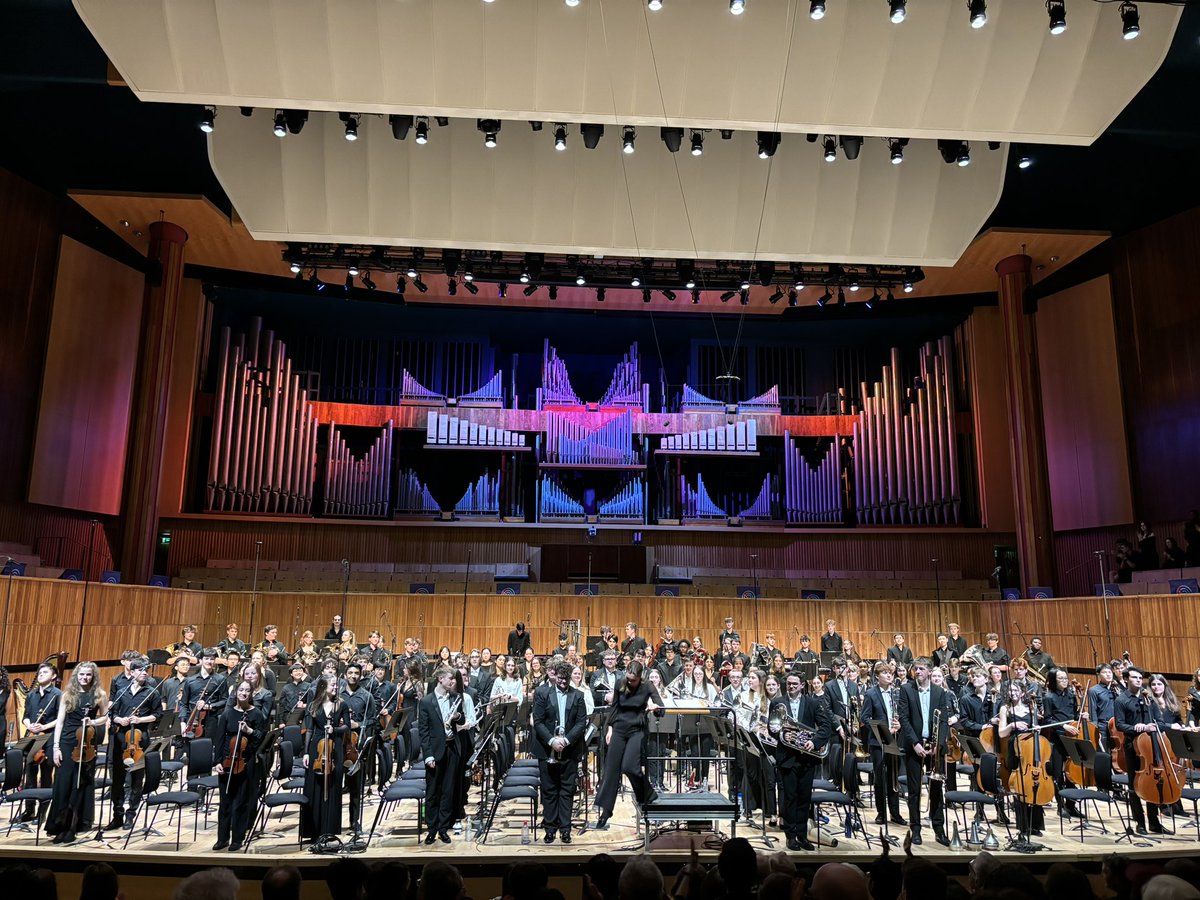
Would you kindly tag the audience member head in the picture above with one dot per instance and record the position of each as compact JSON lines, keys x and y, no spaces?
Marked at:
{"x":440,"y":881}
{"x":1187,"y":869}
{"x":387,"y":880}
{"x":841,"y":881}
{"x":281,"y":883}
{"x":979,"y":868}
{"x":523,"y":880}
{"x":1067,"y":882}
{"x":885,"y":878}
{"x":208,"y":884}
{"x":1010,"y":876}
{"x":45,"y":885}
{"x":19,"y":881}
{"x":923,"y":881}
{"x":1115,"y":876}
{"x":602,"y":872}
{"x":99,"y":883}
{"x":641,"y":879}
{"x":738,"y":866}
{"x":1169,"y":887}
{"x":345,"y":878}
{"x":776,"y":886}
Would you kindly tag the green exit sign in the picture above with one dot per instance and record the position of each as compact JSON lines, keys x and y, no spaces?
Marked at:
{"x":164,"y":539}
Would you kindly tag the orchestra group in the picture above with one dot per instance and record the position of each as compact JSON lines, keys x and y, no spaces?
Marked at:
{"x":356,"y":715}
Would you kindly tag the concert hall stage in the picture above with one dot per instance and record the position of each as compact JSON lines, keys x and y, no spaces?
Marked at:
{"x":148,"y":867}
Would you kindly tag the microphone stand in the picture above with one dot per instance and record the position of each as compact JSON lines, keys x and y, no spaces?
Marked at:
{"x":87,"y":570}
{"x":754,"y":581}
{"x":466,"y":578}
{"x":1099,"y":554}
{"x":345,"y":587}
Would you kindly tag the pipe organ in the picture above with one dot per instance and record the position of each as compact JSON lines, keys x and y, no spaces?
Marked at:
{"x":906,"y":461}
{"x":765,"y":404}
{"x":358,"y":487}
{"x":626,"y":388}
{"x":697,"y":504}
{"x":446,"y":430}
{"x":554,"y":503}
{"x":481,"y":498}
{"x":569,"y":440}
{"x":556,"y":387}
{"x":731,"y":437}
{"x":628,"y":503}
{"x":413,"y":393}
{"x":813,"y":493}
{"x":413,"y":497}
{"x":264,"y":445}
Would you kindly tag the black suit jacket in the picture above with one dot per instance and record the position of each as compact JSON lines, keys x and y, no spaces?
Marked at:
{"x":814,"y":713}
{"x":839,"y":700}
{"x":431,"y":728}
{"x":911,"y":721}
{"x":545,"y":721}
{"x":874,"y":709}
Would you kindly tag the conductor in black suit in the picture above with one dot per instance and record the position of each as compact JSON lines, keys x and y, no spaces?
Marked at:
{"x":439,"y":719}
{"x":559,"y":721}
{"x":923,"y":738}
{"x":795,"y":767}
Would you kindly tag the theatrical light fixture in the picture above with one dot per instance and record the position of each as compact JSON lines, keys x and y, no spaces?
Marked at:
{"x":420,"y":285}
{"x":571,"y":2}
{"x":442,"y":121}
{"x":873,"y":299}
{"x":452,"y":287}
{"x":468,"y":275}
{"x":908,"y":287}
{"x":897,"y":10}
{"x":654,"y":5}
{"x":422,"y":131}
{"x":668,"y":293}
{"x":524,"y":279}
{"x":672,"y":137}
{"x":553,"y":292}
{"x":768,"y":143}
{"x":490,"y":129}
{"x":1024,"y":159}
{"x":825,"y":297}
{"x":295,"y":267}
{"x":1057,"y":11}
{"x":737,"y":7}
{"x":728,"y":295}
{"x":776,"y":297}
{"x":400,"y":285}
{"x":695,"y":297}
{"x":978,"y":11}
{"x":851,"y":146}
{"x":353,"y":270}
{"x":816,"y":9}
{"x":628,"y":136}
{"x":635,"y":281}
{"x":890,"y":295}
{"x":349,"y":282}
{"x":697,"y":143}
{"x":530,"y":290}
{"x":591,"y":135}
{"x":208,"y":118}
{"x":854,"y":285}
{"x":896,"y":149}
{"x":351,"y":127}
{"x":280,"y":129}
{"x":502,"y":290}
{"x":744,"y":297}
{"x":1130,"y":24}
{"x":560,"y":137}
{"x":580,"y":278}
{"x":400,"y":126}
{"x":964,"y":155}
{"x":472,"y":287}
{"x":830,"y":144}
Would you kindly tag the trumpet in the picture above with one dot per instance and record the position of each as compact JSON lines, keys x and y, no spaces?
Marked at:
{"x":793,"y":734}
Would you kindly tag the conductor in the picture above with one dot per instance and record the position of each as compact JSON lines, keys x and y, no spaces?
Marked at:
{"x":559,"y":721}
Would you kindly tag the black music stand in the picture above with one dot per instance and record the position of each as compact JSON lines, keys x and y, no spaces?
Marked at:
{"x":1186,"y":745}
{"x":806,"y":669}
{"x":887,"y":742}
{"x":1083,"y":754}
{"x":756,"y":754}
{"x":661,"y":728}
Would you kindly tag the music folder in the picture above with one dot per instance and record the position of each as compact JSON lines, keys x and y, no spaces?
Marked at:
{"x":883,"y":733}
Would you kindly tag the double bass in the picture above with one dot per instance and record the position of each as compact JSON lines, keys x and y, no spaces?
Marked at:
{"x":1078,"y":775}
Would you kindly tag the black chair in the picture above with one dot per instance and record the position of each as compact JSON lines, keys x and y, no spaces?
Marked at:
{"x":177,"y":801}
{"x":280,"y":799}
{"x":989,"y":774}
{"x":1101,"y":793}
{"x":845,"y":804}
{"x":11,"y":792}
{"x":410,"y":786}
{"x":200,"y":762}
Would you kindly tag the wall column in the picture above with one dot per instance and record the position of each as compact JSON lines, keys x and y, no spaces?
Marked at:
{"x":143,"y":469}
{"x":1031,"y":485}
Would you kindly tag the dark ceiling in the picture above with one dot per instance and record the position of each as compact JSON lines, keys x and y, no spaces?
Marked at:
{"x":63,"y":127}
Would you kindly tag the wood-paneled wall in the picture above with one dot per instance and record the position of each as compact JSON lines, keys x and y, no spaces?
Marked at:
{"x":46,"y":616}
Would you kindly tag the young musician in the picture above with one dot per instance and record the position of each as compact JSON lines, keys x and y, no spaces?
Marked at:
{"x":633,"y":641}
{"x":993,"y":654}
{"x":899,"y":652}
{"x":363,"y":721}
{"x":668,"y":642}
{"x":138,"y":706}
{"x":942,"y":654}
{"x":518,"y":641}
{"x":1040,"y":662}
{"x":727,"y":633}
{"x":231,"y":642}
{"x":698,"y":687}
{"x":272,"y":647}
{"x":242,"y":729}
{"x":879,"y":704}
{"x":625,"y":734}
{"x":1101,"y":700}
{"x":73,"y":805}
{"x":327,"y":721}
{"x":378,"y":654}
{"x":440,"y":720}
{"x":920,"y":699}
{"x":606,"y":679}
{"x":296,"y":693}
{"x":795,"y":767}
{"x":831,"y":641}
{"x":205,"y":693}
{"x":336,"y":628}
{"x":261,"y":696}
{"x":955,"y":642}
{"x":1060,"y":705}
{"x":306,"y":651}
{"x":39,"y":717}
{"x":187,"y":647}
{"x":559,"y":721}
{"x":669,"y":665}
{"x":1016,"y":716}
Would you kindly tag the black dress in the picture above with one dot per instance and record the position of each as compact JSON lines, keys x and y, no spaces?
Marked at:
{"x":324,"y":789}
{"x":74,"y":801}
{"x":1029,"y":818}
{"x":238,"y":791}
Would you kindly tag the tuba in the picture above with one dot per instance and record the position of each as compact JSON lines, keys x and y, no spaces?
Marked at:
{"x":973,"y":657}
{"x":793,"y":734}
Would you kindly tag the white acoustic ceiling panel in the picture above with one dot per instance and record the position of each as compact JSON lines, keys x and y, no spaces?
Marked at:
{"x":614,"y":61}
{"x":525,"y":195}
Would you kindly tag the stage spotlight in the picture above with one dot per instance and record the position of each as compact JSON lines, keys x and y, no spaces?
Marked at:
{"x":890,"y":296}
{"x":468,"y":275}
{"x":816,"y":9}
{"x":908,"y":287}
{"x":744,"y":283}
{"x":353,"y":270}
{"x":295,"y":119}
{"x":351,"y":127}
{"x":978,"y":12}
{"x":490,"y":129}
{"x":697,"y":143}
{"x":873,"y":299}
{"x":420,"y":285}
{"x":830,"y":148}
{"x":400,"y":126}
{"x":571,"y":2}
{"x":654,"y":5}
{"x":1057,"y":11}
{"x":635,"y":281}
{"x":535,"y":125}
{"x":824,"y":298}
{"x":695,"y":297}
{"x":591,"y":135}
{"x":1130,"y":24}
{"x":1024,"y":159}
{"x":422,"y":131}
{"x":295,"y":267}
{"x":672,"y":137}
{"x":897,"y":10}
{"x":580,"y":278}
{"x":854,"y":285}
{"x":442,"y":121}
{"x":896,"y":149}
{"x":851,"y":146}
{"x":560,"y":137}
{"x":628,"y":137}
{"x":728,"y":295}
{"x":349,"y":281}
{"x":764,"y":272}
{"x":530,"y":290}
{"x":737,"y":7}
{"x":472,"y":287}
{"x":841,"y":298}
{"x":452,"y":287}
{"x":964,"y":155}
{"x":280,"y":129}
{"x":768,"y":143}
{"x":400,"y":282}
{"x":502,"y":290}
{"x":668,"y":293}
{"x":776,"y":297}
{"x":208,"y":118}
{"x":745,"y":297}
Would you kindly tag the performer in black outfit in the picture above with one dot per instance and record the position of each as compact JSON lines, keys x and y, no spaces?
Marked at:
{"x":633,"y":641}
{"x":956,"y":643}
{"x":325,"y":719}
{"x":363,"y":721}
{"x":1059,"y":705}
{"x":881,"y":704}
{"x":518,"y":641}
{"x":138,"y":706}
{"x":296,"y":694}
{"x":919,"y":700}
{"x":231,"y":643}
{"x":625,"y":735}
{"x":335,"y":630}
{"x":1134,"y":716}
{"x":900,"y":653}
{"x":795,"y":768}
{"x":831,"y":641}
{"x":206,"y":691}
{"x":1101,"y":700}
{"x":40,"y":716}
{"x":440,"y":718}
{"x":237,"y":766}
{"x":74,"y":803}
{"x":559,"y":720}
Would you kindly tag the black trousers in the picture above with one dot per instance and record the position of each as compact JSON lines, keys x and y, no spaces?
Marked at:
{"x":883,"y":767}
{"x":124,"y":782}
{"x":796,"y":781}
{"x":625,"y":756}
{"x":558,"y":793}
{"x":239,"y":794}
{"x":914,"y":769}
{"x":441,"y":790}
{"x":39,"y":775}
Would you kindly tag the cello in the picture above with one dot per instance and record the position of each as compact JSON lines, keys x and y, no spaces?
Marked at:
{"x":1157,"y":777}
{"x":1031,"y":779}
{"x":990,"y":738}
{"x":1080,"y":775}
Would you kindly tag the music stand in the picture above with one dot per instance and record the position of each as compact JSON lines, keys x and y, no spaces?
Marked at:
{"x":806,"y":669}
{"x":1186,"y":745}
{"x":662,"y":727}
{"x":1083,"y":754}
{"x":887,"y":742}
{"x":827,"y":658}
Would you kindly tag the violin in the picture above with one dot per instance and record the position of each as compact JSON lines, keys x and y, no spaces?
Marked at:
{"x":324,"y":760}
{"x":350,"y":753}
{"x":1031,"y":779}
{"x":85,"y":743}
{"x":1080,"y":775}
{"x":234,"y":762}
